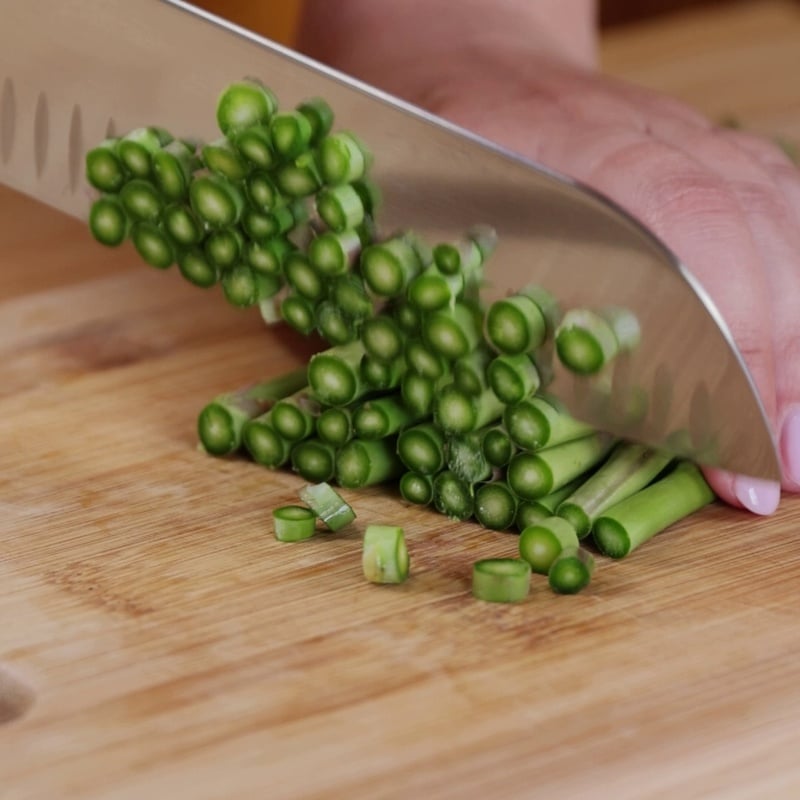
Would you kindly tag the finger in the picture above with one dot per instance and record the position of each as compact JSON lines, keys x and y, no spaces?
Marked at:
{"x":695,"y":212}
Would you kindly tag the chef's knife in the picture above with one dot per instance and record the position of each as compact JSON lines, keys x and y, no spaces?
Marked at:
{"x":75,"y":70}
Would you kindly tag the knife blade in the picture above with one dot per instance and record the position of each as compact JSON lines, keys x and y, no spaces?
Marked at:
{"x":75,"y":71}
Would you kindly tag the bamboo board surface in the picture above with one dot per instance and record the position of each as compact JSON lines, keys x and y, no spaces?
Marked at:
{"x":157,"y":642}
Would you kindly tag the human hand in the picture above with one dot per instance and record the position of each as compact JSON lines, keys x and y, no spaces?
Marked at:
{"x":727,"y":203}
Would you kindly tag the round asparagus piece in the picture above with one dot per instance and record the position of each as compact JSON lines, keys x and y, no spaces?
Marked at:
{"x":452,"y":496}
{"x":416,"y":488}
{"x":421,"y":448}
{"x":543,"y":541}
{"x":515,"y":325}
{"x":456,"y":412}
{"x":384,"y":556}
{"x":104,"y":169}
{"x":328,"y":505}
{"x":197,"y":269}
{"x":495,"y":505}
{"x":571,"y":570}
{"x":335,"y":426}
{"x":313,"y":460}
{"x":244,"y":104}
{"x":388,"y":267}
{"x":108,"y":222}
{"x":293,"y":523}
{"x":513,"y":378}
{"x":153,"y":245}
{"x":501,"y":580}
{"x":536,"y":423}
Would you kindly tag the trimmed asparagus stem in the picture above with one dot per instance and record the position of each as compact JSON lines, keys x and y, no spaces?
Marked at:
{"x":319,"y":115}
{"x":182,"y":224}
{"x":465,"y":457}
{"x":535,"y":423}
{"x":534,"y":475}
{"x":515,"y":325}
{"x":299,"y":178}
{"x":501,"y":580}
{"x":108,"y":222}
{"x":302,"y":277}
{"x":255,"y":144}
{"x":221,"y":422}
{"x":298,"y":313}
{"x":335,"y":426}
{"x":197,"y":269}
{"x":587,"y":340}
{"x":244,"y":287}
{"x":513,"y":378}
{"x":419,"y":393}
{"x":384,"y":416}
{"x":340,"y":207}
{"x":334,"y":253}
{"x":384,"y":556}
{"x":153,"y":245}
{"x":629,"y":468}
{"x":422,"y":448}
{"x":571,"y":571}
{"x":452,"y":496}
{"x":328,"y":505}
{"x":217,"y":201}
{"x":456,"y":412}
{"x":497,"y":446}
{"x":313,"y":460}
{"x":469,"y":372}
{"x":173,"y":166}
{"x":408,"y":318}
{"x":366,"y":463}
{"x":290,"y":132}
{"x":423,"y":360}
{"x":261,"y":192}
{"x":343,"y":158}
{"x":141,"y":200}
{"x":268,"y":257}
{"x":334,"y":374}
{"x":223,"y":247}
{"x":495,"y":505}
{"x":293,"y":523}
{"x":370,"y":195}
{"x":388,"y":267}
{"x":382,"y":338}
{"x":244,"y":104}
{"x":349,"y":294}
{"x":222,"y":158}
{"x":631,"y":522}
{"x":433,"y":289}
{"x":294,"y":416}
{"x":463,"y":256}
{"x":452,"y":333}
{"x":264,"y":444}
{"x":382,"y":374}
{"x":531,"y":512}
{"x":104,"y":169}
{"x":135,"y":151}
{"x":333,"y":324}
{"x":416,"y":488}
{"x":543,"y":541}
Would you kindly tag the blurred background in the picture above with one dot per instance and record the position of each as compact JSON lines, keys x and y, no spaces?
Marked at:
{"x":277,"y":18}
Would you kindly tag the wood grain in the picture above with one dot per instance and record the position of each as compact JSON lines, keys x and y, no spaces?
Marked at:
{"x":172,"y":648}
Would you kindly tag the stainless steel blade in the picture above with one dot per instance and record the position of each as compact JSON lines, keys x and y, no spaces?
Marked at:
{"x":70,"y":71}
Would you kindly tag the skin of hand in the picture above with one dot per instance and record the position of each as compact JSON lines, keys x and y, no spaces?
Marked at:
{"x":523,"y":75}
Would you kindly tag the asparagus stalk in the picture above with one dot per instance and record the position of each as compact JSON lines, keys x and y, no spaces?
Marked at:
{"x":495,"y":505}
{"x":536,"y":423}
{"x":221,"y":422}
{"x":631,"y":522}
{"x":629,"y":468}
{"x":542,"y":542}
{"x":366,"y":463}
{"x":534,"y":475}
{"x":313,"y":459}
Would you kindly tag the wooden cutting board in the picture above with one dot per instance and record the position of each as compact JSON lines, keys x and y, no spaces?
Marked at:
{"x":158,"y":642}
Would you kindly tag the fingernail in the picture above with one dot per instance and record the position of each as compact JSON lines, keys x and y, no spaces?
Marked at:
{"x":760,"y":497}
{"x":790,"y":444}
